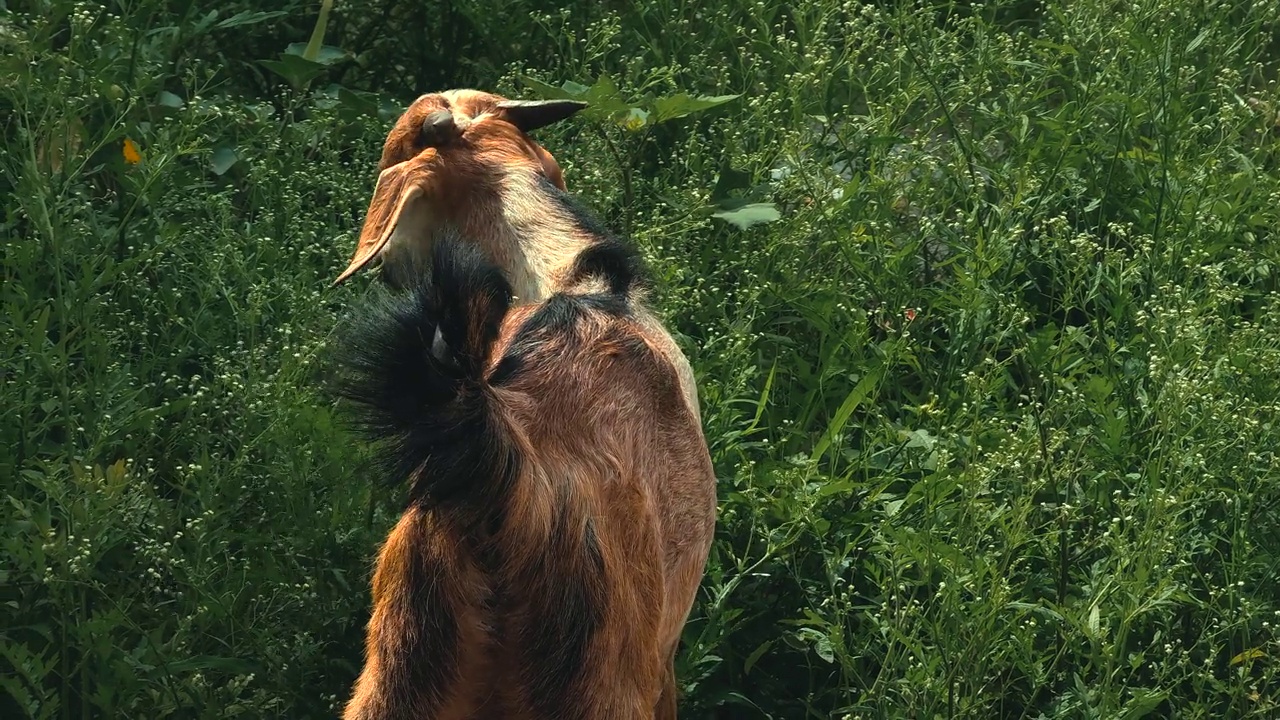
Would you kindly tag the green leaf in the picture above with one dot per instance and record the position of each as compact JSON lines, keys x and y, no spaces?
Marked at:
{"x":168,"y":99}
{"x":604,"y":89}
{"x":730,"y":179}
{"x":763,"y":402}
{"x":359,"y":102}
{"x":1036,"y":609}
{"x":40,"y":327}
{"x":824,"y":649}
{"x":1250,"y":654}
{"x":1142,"y":703}
{"x":222,"y":160}
{"x":323,"y":55}
{"x":755,"y":656}
{"x":294,"y":68}
{"x":248,"y":17}
{"x":605,"y":102}
{"x":832,"y":488}
{"x":235,"y":666}
{"x":920,"y":439}
{"x":680,"y":105}
{"x":851,"y":403}
{"x":205,"y":22}
{"x":568,"y":91}
{"x":1198,"y":40}
{"x":749,"y":215}
{"x":546,"y":91}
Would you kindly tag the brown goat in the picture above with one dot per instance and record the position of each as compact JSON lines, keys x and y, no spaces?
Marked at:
{"x":463,"y":161}
{"x":562,"y":500}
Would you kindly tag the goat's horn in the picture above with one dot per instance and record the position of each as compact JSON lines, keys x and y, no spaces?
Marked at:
{"x":533,"y":114}
{"x":438,"y":127}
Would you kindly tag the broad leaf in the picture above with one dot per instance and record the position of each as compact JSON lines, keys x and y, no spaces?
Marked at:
{"x":359,"y":102}
{"x":730,"y":179}
{"x":1143,"y":703}
{"x":222,"y":160}
{"x":324,"y":54}
{"x":749,"y":215}
{"x":294,"y":68}
{"x":569,"y":91}
{"x":605,"y":101}
{"x":680,"y":105}
{"x":169,"y":100}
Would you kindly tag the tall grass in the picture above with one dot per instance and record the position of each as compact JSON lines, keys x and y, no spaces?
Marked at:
{"x":994,"y":400}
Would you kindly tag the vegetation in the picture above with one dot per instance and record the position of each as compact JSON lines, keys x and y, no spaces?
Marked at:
{"x":982,"y":298}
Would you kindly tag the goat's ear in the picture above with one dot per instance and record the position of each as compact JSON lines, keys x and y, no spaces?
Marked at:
{"x":550,"y":168}
{"x":533,"y":114}
{"x":397,"y":201}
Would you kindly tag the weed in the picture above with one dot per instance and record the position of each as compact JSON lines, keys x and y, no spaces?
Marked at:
{"x":979,"y":296}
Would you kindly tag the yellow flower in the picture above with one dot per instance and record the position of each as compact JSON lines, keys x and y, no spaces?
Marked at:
{"x":131,"y":152}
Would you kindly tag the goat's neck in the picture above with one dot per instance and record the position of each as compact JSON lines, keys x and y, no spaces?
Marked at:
{"x":542,"y":241}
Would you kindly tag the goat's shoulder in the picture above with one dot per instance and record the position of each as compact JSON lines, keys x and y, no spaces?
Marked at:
{"x":571,"y":333}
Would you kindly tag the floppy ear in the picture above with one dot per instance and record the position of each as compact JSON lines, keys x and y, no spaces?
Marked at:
{"x":397,"y":210}
{"x":533,"y":114}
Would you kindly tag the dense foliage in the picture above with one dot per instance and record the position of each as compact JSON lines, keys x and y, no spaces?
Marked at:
{"x":979,"y":296}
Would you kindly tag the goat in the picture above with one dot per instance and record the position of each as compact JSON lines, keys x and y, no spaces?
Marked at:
{"x":463,"y":160}
{"x":561,"y":496}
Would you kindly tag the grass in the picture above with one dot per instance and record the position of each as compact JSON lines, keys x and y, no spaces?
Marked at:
{"x":994,"y":400}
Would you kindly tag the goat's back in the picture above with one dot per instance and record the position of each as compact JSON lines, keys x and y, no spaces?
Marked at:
{"x":598,"y":414}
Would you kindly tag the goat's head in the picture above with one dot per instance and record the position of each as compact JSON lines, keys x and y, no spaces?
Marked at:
{"x":442,"y":148}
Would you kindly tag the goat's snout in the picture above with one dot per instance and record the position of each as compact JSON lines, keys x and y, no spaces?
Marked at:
{"x":439,"y":128}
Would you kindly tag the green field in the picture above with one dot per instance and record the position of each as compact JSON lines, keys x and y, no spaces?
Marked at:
{"x":979,"y":295}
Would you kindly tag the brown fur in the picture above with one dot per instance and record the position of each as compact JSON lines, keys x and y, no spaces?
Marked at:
{"x":484,"y":183}
{"x":558,"y":592}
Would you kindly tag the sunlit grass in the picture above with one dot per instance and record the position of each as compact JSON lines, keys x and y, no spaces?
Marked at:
{"x":993,"y":401}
